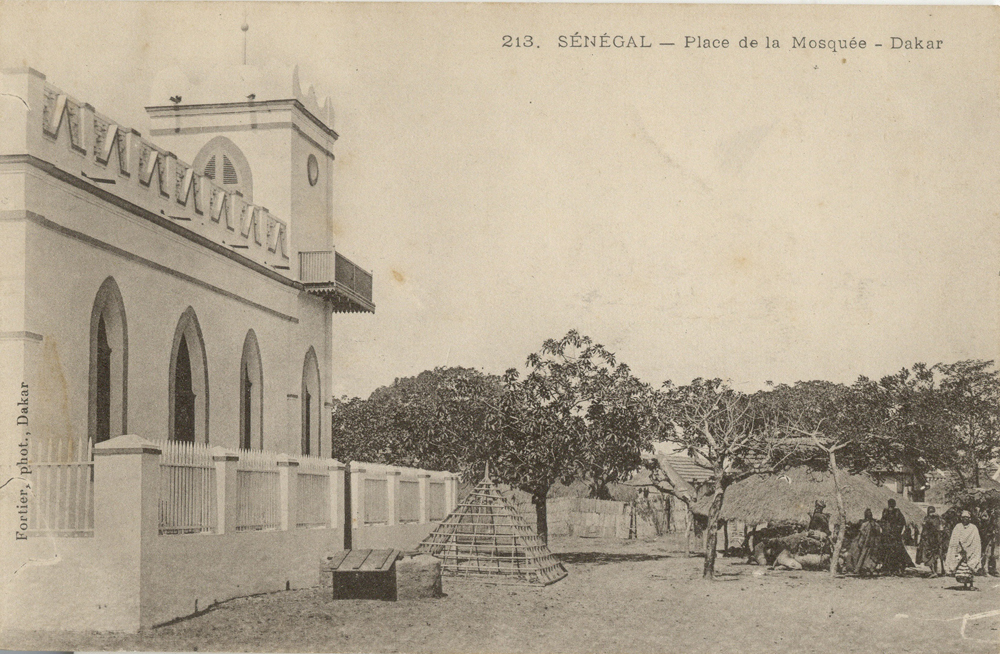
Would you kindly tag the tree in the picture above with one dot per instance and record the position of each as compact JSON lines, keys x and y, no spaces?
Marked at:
{"x":618,"y":423}
{"x":732,"y":433}
{"x":441,"y":419}
{"x":577,"y":413}
{"x":908,"y":409}
{"x":970,"y":399}
{"x":831,"y":419}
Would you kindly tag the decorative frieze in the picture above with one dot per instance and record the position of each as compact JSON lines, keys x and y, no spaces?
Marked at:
{"x":57,"y":106}
{"x":100,"y":139}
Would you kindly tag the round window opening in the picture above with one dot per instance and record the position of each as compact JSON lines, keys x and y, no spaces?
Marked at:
{"x":313,"y":170}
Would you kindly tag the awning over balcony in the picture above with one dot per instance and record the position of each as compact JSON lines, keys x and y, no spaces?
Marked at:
{"x":337,"y":279}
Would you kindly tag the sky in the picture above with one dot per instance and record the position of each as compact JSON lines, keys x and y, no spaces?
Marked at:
{"x":756,"y":214}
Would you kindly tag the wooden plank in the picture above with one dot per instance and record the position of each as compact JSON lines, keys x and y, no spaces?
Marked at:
{"x":354,"y":559}
{"x":380,"y":560}
{"x":334,"y":561}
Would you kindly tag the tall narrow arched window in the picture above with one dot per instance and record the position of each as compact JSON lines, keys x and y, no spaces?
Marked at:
{"x":311,"y":423}
{"x":107,"y":414}
{"x":251,"y":395}
{"x":188,"y":383}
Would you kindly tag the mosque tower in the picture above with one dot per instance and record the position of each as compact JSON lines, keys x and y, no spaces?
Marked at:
{"x":254,"y":130}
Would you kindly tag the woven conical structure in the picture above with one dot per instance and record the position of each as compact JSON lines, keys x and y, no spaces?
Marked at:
{"x":486,"y":538}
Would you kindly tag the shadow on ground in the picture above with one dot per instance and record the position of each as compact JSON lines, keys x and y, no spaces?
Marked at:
{"x":602,"y":558}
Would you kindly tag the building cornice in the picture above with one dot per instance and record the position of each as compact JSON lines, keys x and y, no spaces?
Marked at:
{"x":221,"y":108}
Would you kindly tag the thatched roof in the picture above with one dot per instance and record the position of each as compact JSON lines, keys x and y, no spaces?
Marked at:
{"x":790,"y":497}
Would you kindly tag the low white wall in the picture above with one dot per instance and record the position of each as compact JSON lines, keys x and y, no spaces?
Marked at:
{"x":128,"y":576}
{"x":190,"y":572}
{"x":404,"y":537}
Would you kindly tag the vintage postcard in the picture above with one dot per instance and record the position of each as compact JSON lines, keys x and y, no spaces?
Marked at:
{"x":499,"y":327}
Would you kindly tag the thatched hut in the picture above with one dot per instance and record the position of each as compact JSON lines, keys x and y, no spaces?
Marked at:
{"x":791,"y":495}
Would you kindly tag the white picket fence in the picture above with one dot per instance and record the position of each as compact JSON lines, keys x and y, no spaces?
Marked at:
{"x":313,"y":492}
{"x":267,"y":496}
{"x":187,"y":488}
{"x":259,"y":491}
{"x":62,"y":488}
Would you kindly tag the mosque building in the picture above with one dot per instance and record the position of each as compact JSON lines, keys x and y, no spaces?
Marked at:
{"x":169,"y":310}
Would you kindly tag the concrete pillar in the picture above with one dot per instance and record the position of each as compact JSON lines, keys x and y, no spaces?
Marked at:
{"x":357,"y":496}
{"x":126,"y":524}
{"x":288,"y":482}
{"x":293,"y":424}
{"x":336,"y":472}
{"x":450,"y":493}
{"x":392,"y":485}
{"x":424,"y":480}
{"x":226,"y":489}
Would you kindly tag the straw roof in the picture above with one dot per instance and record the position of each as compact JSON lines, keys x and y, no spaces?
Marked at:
{"x":790,"y":497}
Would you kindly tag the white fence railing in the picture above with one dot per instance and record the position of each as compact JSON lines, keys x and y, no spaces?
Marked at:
{"x":313,"y":492}
{"x":187,"y":488}
{"x":205,"y":490}
{"x":62,"y":487}
{"x":259,"y":491}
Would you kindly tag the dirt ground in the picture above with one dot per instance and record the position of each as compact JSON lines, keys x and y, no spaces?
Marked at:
{"x":620,"y":596}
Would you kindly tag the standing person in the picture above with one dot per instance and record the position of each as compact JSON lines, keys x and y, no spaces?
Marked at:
{"x":895,"y":558}
{"x":949,"y":519}
{"x":989,"y":534}
{"x":964,"y":553}
{"x":864,"y":548}
{"x":929,"y":547}
{"x":820,"y":520}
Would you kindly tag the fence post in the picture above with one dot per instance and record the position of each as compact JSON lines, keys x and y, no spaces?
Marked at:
{"x":357,"y":497}
{"x":424,"y":480}
{"x":451,"y":493}
{"x":288,"y":483}
{"x":392,"y":476}
{"x":226,"y":490}
{"x":335,"y":470}
{"x":126,"y":523}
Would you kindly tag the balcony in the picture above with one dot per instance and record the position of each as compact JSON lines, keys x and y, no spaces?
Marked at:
{"x":337,"y":279}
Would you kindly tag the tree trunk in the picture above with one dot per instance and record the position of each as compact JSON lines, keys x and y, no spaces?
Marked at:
{"x":725,"y":537}
{"x":841,"y":511}
{"x":541,"y":515}
{"x":688,"y":528}
{"x":712,"y":532}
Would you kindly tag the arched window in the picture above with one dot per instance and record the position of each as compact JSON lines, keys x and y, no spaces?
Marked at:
{"x":223,"y":162}
{"x":107,"y":414}
{"x":251,"y":395}
{"x":311,"y":423}
{"x":188,"y":384}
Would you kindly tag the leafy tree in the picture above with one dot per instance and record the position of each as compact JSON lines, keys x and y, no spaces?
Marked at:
{"x":830,"y":420}
{"x":729,"y":432}
{"x":970,"y":401}
{"x":440,"y":419}
{"x":577,"y":413}
{"x":907,"y":408}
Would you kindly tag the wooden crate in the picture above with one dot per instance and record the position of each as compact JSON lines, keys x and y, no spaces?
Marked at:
{"x":361,"y":574}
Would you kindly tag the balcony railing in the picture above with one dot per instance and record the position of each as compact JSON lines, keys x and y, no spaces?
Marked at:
{"x":333,"y":276}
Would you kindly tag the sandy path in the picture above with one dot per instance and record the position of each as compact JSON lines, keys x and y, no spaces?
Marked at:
{"x":619,"y":597}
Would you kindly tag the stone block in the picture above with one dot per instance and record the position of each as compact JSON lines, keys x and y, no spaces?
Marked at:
{"x":418,"y":577}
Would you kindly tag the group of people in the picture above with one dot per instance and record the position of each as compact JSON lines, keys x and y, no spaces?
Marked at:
{"x":878,"y":547}
{"x":972,"y":549}
{"x":949,"y":544}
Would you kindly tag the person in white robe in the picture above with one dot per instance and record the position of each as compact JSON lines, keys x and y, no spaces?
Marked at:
{"x":964,"y":541}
